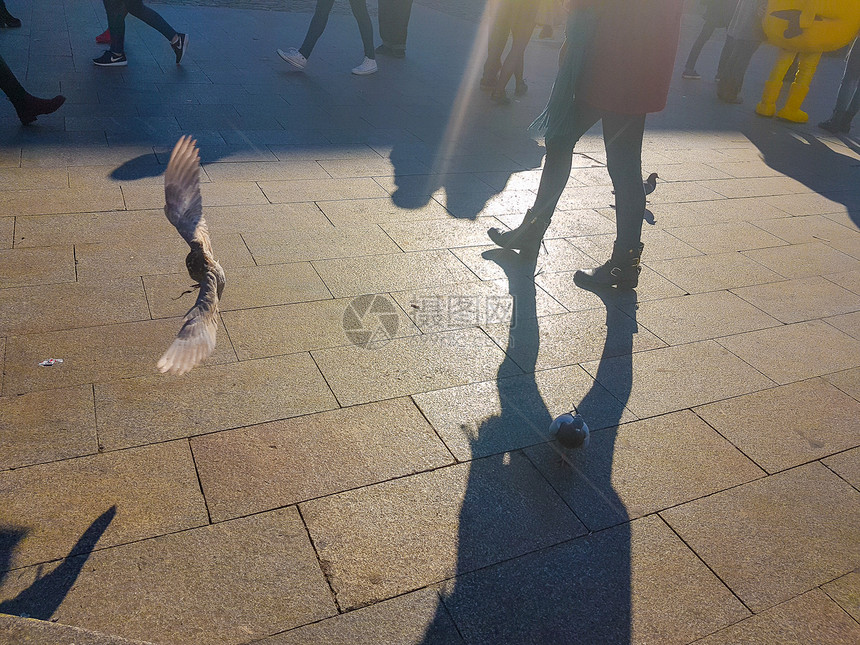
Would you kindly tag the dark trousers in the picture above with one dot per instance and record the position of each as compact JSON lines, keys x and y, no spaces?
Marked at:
{"x":704,"y":36}
{"x":320,"y":20}
{"x":848,"y":99}
{"x":10,"y":85}
{"x":117,"y":10}
{"x":734,"y":60}
{"x":622,"y":137}
{"x":393,"y":22}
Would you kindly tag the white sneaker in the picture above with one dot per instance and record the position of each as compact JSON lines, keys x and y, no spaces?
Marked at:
{"x":368,"y":66}
{"x":293,"y":57}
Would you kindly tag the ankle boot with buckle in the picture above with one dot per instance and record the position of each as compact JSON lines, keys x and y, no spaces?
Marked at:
{"x":621,"y":270}
{"x":527,"y":235}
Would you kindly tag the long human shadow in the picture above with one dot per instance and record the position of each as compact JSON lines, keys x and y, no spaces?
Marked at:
{"x":42,"y":598}
{"x":578,"y":591}
{"x":802,"y":155}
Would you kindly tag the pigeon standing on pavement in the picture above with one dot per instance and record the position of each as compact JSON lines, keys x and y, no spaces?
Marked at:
{"x":184,"y":209}
{"x":651,"y":183}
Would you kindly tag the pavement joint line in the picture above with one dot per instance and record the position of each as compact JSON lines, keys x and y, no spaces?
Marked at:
{"x":199,"y":481}
{"x":323,"y":568}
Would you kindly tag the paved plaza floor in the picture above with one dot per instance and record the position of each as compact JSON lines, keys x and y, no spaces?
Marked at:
{"x":365,"y":458}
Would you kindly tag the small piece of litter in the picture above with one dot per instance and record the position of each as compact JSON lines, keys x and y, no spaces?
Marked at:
{"x":51,"y":361}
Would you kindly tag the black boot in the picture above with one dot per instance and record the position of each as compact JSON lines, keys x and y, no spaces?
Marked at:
{"x":622,"y":270}
{"x":31,"y":106}
{"x":836,"y":123}
{"x":527,"y":235}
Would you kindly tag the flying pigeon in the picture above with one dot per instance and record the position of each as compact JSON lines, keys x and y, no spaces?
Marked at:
{"x":184,"y":209}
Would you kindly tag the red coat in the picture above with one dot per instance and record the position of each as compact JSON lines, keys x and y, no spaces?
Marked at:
{"x":632,"y":55}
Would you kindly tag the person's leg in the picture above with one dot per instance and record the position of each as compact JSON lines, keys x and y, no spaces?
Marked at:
{"x":26,"y":105}
{"x":704,"y":36}
{"x":394,"y":23}
{"x":499,"y":33}
{"x":725,"y":53}
{"x":10,"y":85}
{"x":522,"y":28}
{"x":317,"y":26}
{"x":116,"y":11}
{"x":152,"y":18}
{"x":365,"y":27}
{"x":553,"y":179}
{"x":848,"y":97}
{"x":622,"y":136}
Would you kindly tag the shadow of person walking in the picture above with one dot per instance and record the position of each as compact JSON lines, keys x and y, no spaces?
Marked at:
{"x":578,"y":588}
{"x":812,"y":161}
{"x":42,"y":598}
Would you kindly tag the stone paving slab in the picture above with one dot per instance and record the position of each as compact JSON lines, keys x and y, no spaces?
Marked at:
{"x":674,"y":378}
{"x":777,"y":537}
{"x":133,"y":412}
{"x":802,"y":299}
{"x":764,"y":208}
{"x":397,"y":272}
{"x":27,"y":310}
{"x":411,"y":365}
{"x":249,"y":470}
{"x":844,"y":591}
{"x":571,"y":338}
{"x":810,"y":618}
{"x":151,"y":490}
{"x":409,"y":619}
{"x":47,"y":426}
{"x":623,"y":573}
{"x":714,"y":272}
{"x":700,"y":316}
{"x":94,"y":354}
{"x":802,"y":260}
{"x":262,"y":567}
{"x":30,"y":267}
{"x":488,"y":418}
{"x":384,"y":540}
{"x":249,"y":287}
{"x":846,"y":465}
{"x":789,"y":425}
{"x":784,"y":355}
{"x":849,"y":323}
{"x":292,"y":246}
{"x":643,"y":467}
{"x":29,"y":631}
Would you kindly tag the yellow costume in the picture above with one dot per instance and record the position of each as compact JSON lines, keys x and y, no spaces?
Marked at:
{"x":803,"y":29}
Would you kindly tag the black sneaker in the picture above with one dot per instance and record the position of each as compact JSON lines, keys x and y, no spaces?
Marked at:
{"x":179,"y":47}
{"x":109,"y":59}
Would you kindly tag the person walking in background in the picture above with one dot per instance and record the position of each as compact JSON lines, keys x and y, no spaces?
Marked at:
{"x":517,"y":19}
{"x":116,"y":11}
{"x":848,"y":99}
{"x":298,"y":58}
{"x":546,"y":17}
{"x":6,"y":18}
{"x":393,"y":23}
{"x":743,"y":38}
{"x":718,"y":14}
{"x":615,"y":67}
{"x":26,"y":105}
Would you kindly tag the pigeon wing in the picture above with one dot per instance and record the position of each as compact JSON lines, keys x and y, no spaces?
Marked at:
{"x":196,"y":339}
{"x":182,"y":203}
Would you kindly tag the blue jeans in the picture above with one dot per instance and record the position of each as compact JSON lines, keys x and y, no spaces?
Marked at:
{"x":320,"y":19}
{"x":117,"y":10}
